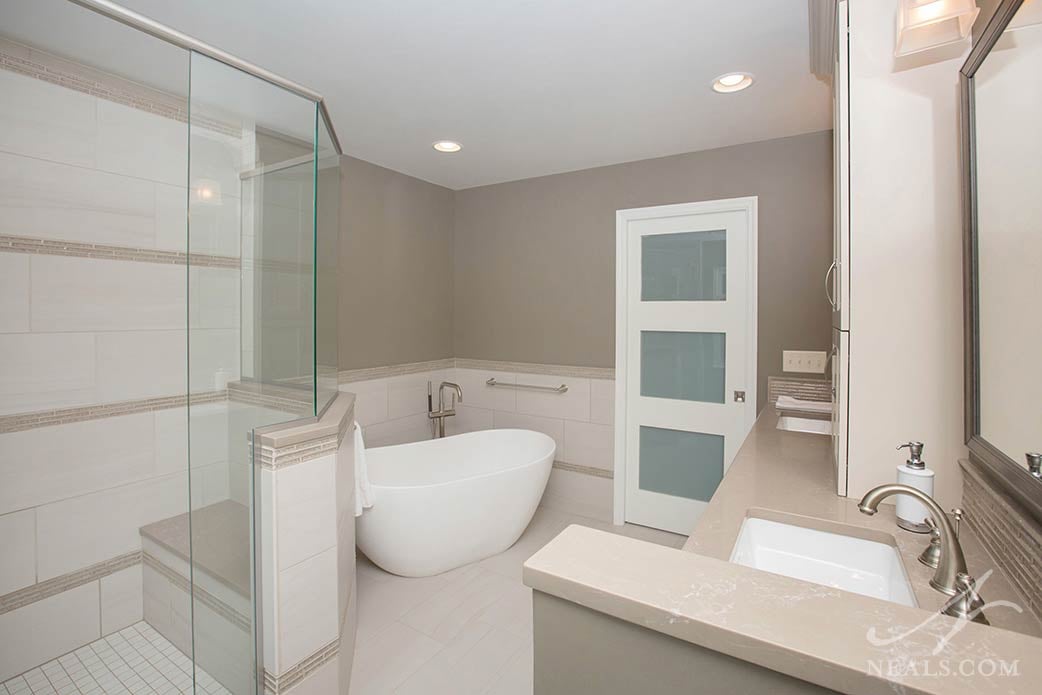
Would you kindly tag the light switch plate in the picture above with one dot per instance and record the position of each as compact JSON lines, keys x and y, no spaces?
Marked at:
{"x":804,"y":361}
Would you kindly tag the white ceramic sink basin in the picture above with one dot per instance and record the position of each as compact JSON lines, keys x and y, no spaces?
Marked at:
{"x":804,"y":424}
{"x":853,"y":564}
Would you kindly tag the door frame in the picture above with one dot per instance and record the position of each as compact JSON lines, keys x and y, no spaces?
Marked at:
{"x":749,"y":205}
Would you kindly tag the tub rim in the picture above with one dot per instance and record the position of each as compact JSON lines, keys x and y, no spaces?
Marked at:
{"x":551,"y":452}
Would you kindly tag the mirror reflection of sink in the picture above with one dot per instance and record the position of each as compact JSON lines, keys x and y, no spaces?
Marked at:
{"x":843,"y":562}
{"x":804,"y":424}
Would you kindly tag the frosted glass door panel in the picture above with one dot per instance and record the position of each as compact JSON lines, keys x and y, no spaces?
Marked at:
{"x":682,"y":464}
{"x":685,"y":266}
{"x":682,"y":365}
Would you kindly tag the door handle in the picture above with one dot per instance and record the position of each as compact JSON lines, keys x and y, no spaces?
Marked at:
{"x":828,"y":288}
{"x":739,"y":396}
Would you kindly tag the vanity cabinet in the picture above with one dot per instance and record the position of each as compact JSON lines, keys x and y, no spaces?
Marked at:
{"x":837,"y":279}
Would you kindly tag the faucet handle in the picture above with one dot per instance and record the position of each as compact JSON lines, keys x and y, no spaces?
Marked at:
{"x":958,"y":514}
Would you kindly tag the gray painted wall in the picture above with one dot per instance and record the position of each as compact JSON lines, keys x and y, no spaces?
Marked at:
{"x":535,"y":259}
{"x":395,"y":267}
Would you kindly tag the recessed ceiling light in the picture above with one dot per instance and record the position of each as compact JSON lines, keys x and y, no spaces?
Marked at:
{"x":732,"y":82}
{"x":447,"y":146}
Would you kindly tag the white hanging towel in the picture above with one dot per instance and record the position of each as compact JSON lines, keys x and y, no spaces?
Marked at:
{"x":363,"y":489}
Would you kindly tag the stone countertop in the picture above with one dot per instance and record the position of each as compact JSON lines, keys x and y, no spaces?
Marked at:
{"x":836,"y":639}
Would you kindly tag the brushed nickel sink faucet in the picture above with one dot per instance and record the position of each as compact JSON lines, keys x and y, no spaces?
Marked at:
{"x":951,"y":576}
{"x":441,"y":413}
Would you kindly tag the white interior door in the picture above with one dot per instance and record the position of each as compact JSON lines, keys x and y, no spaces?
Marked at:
{"x":686,"y":355}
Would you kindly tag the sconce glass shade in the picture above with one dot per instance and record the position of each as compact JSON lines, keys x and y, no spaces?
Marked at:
{"x":926,"y":24}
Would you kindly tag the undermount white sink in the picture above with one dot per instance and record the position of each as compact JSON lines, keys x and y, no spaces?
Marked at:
{"x":843,"y":562}
{"x":804,"y":424}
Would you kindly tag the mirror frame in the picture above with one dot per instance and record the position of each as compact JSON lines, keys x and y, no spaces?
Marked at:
{"x":1007,"y":474}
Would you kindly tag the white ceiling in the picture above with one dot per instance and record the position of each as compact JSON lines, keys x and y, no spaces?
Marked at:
{"x":530,"y":87}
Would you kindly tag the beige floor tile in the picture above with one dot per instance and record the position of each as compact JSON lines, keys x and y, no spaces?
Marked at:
{"x":385,"y":660}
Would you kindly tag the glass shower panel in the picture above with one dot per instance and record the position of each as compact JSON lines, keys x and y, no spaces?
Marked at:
{"x":327,"y":231}
{"x":251,"y":345}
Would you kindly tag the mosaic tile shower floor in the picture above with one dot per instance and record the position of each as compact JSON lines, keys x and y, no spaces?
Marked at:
{"x":136,"y":660}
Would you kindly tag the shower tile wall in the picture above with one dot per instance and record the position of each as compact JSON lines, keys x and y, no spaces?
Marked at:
{"x":78,"y":331}
{"x":393,"y":410}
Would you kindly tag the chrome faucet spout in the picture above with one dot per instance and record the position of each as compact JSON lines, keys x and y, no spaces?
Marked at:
{"x":952,"y":561}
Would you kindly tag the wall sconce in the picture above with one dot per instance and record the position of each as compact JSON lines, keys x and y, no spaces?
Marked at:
{"x":925,"y":24}
{"x":206,"y":192}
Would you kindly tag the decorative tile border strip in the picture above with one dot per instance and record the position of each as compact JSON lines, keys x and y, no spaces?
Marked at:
{"x":808,"y":389}
{"x":32,"y":62}
{"x":244,"y":392}
{"x":584,"y":470}
{"x":198,"y":593}
{"x":532,"y":368}
{"x":276,"y":685}
{"x":351,"y":375}
{"x":58,"y":247}
{"x":275,"y":459}
{"x":52,"y":587}
{"x":64,"y":416}
{"x":1013,"y":540}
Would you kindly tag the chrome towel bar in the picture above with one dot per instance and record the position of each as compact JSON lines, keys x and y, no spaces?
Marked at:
{"x":553,"y":389}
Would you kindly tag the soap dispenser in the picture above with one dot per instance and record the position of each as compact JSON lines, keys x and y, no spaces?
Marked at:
{"x":911,"y":514}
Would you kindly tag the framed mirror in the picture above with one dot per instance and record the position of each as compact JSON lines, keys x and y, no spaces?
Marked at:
{"x":1002,"y":154}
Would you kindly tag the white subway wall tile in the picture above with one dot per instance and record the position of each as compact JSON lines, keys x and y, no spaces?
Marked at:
{"x":308,"y":617}
{"x":124,"y":133}
{"x":121,"y":599}
{"x":17,"y":550}
{"x":371,"y":400}
{"x":90,"y":294}
{"x":589,"y":444}
{"x":14,"y":290}
{"x":167,"y":608}
{"x":47,"y":464}
{"x":573,"y":404}
{"x":140,"y":364}
{"x":552,"y":427}
{"x":216,"y":229}
{"x":414,"y":428}
{"x":209,"y":440}
{"x":478,"y":394}
{"x":214,"y":297}
{"x":306,"y":509}
{"x":602,"y":401}
{"x":81,"y":531}
{"x":48,"y":200}
{"x":46,"y":629}
{"x":407,"y":394}
{"x":39,"y":119}
{"x":40,"y":371}
{"x":469,"y":419}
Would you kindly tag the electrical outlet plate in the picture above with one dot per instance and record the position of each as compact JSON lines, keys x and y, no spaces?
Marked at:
{"x":804,"y":361}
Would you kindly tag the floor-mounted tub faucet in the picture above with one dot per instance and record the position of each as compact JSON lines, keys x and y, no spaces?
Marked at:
{"x":441,"y":413}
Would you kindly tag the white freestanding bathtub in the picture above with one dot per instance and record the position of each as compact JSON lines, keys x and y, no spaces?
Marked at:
{"x":443,"y":503}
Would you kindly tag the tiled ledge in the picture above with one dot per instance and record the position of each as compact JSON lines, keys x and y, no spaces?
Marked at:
{"x":56,"y":585}
{"x":59,"y":247}
{"x":351,"y":375}
{"x":289,"y":444}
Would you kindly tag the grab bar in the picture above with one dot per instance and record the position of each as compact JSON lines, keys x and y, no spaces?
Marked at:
{"x":554,"y":389}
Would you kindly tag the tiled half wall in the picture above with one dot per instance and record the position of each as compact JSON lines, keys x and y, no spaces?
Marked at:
{"x":391,"y":406}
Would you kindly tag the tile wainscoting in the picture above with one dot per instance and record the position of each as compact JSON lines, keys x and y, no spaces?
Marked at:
{"x":391,"y":406}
